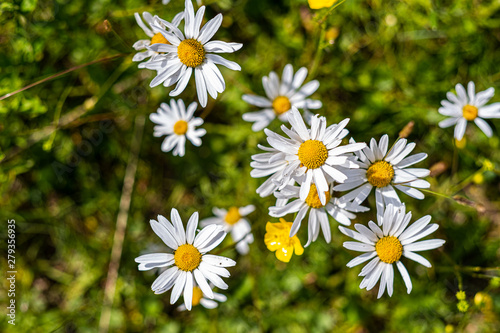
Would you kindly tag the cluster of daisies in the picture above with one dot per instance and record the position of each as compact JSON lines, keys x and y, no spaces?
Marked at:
{"x":312,"y":170}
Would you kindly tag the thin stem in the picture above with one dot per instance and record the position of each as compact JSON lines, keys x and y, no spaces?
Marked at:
{"x":121,"y":224}
{"x":54,"y":76}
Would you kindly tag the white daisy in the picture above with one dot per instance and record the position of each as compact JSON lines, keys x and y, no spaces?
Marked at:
{"x":281,"y":97}
{"x":232,"y":220}
{"x":385,"y":170}
{"x":190,"y":261}
{"x":177,"y":123}
{"x":468,"y":106}
{"x":199,"y":298}
{"x":339,"y":210}
{"x":315,"y":153}
{"x":191,"y":51}
{"x":385,"y":247}
{"x":154,"y":35}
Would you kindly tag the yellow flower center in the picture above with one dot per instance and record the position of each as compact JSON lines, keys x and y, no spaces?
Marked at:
{"x":469,"y":112}
{"x":313,"y":198}
{"x":191,"y":53}
{"x":180,"y":127}
{"x":232,"y":216}
{"x":159,"y":39}
{"x":380,"y":174}
{"x":187,"y":257}
{"x":312,"y":154}
{"x":197,"y":295}
{"x":281,"y":104}
{"x":389,"y":249}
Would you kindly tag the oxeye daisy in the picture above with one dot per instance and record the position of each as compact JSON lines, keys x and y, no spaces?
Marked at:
{"x":189,"y":259}
{"x":315,"y":154}
{"x":318,"y":212}
{"x":468,"y":106}
{"x":200,"y":299}
{"x":385,"y":170}
{"x":386,"y":246}
{"x":193,"y":51}
{"x":233,"y":221}
{"x":177,"y":124}
{"x":277,"y":238}
{"x":155,"y":37}
{"x":281,"y":96}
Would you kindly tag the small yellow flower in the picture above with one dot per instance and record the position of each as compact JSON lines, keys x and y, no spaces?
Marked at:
{"x":461,"y":295}
{"x":463,"y":306}
{"x":277,"y":238}
{"x":461,"y":143}
{"x":317,"y":4}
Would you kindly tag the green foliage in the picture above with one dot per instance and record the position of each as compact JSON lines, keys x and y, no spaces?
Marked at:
{"x":64,"y":147}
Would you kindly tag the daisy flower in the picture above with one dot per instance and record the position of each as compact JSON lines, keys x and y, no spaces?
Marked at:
{"x":232,"y":220}
{"x":277,"y":238}
{"x":189,"y":260}
{"x":200,"y":299}
{"x":177,"y":124}
{"x":385,"y":171}
{"x":468,"y":106}
{"x":315,"y":154}
{"x":155,"y":37}
{"x":340,"y":211}
{"x":386,"y":246}
{"x":193,"y":51}
{"x":281,"y":97}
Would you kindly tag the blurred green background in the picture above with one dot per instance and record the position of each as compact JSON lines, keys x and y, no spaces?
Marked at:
{"x":64,"y":147}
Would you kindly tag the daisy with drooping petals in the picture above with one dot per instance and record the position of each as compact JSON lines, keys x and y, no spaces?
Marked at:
{"x":281,"y":97}
{"x":200,"y":299}
{"x":155,"y":37}
{"x":177,"y":124}
{"x":315,"y":154}
{"x":277,"y":238}
{"x":385,"y":170}
{"x":193,"y":51}
{"x":318,"y":213}
{"x":386,"y":246}
{"x":232,"y":220}
{"x":190,"y":261}
{"x":468,"y":106}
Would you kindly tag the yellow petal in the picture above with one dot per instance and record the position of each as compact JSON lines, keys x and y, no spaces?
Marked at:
{"x":298,"y":247}
{"x":316,"y":4}
{"x":284,"y":253}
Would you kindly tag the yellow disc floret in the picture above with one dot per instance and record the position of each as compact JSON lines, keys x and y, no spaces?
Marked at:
{"x":197,"y":295}
{"x":159,"y":39}
{"x":281,"y":104}
{"x":469,"y":112}
{"x":187,"y":257}
{"x":180,"y":127}
{"x":232,"y":216}
{"x":389,"y":249}
{"x":380,"y":174}
{"x":312,"y":199}
{"x":191,"y":53}
{"x":312,"y":154}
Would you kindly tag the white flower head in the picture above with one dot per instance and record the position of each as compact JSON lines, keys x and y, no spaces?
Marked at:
{"x":313,"y":155}
{"x":200,"y":299}
{"x":386,"y":246}
{"x":192,"y":51}
{"x":318,"y":212}
{"x":177,"y":124}
{"x":281,"y":96}
{"x":468,"y":106}
{"x":385,"y":170}
{"x":233,"y":221}
{"x":189,"y":260}
{"x":155,"y":37}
